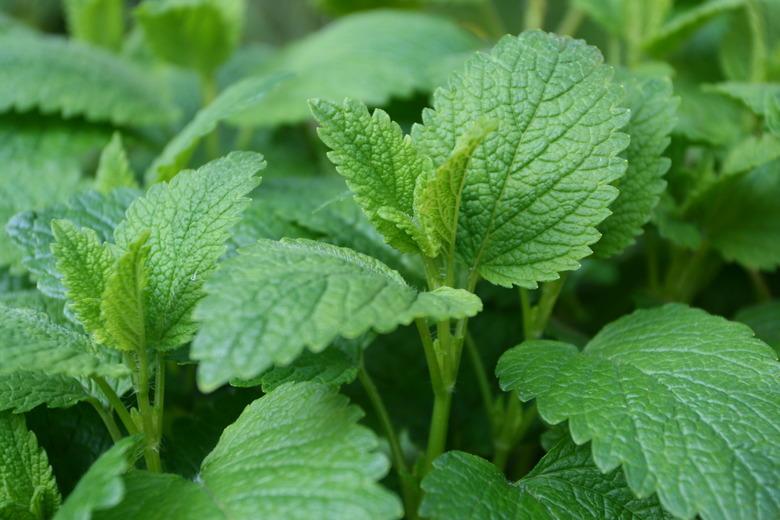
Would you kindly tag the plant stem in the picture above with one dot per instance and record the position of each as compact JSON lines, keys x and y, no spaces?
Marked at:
{"x":437,"y":436}
{"x":151,"y":455}
{"x":763,"y":294}
{"x":159,"y":395}
{"x":505,"y":440}
{"x":534,"y":14}
{"x":108,"y":419}
{"x":209,"y":86}
{"x":434,"y":368}
{"x":571,"y":21}
{"x":117,"y":404}
{"x":408,"y":484}
{"x":482,"y":380}
{"x":758,"y":29}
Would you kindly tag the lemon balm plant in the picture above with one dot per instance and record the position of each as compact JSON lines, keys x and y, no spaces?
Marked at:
{"x":197,"y":335}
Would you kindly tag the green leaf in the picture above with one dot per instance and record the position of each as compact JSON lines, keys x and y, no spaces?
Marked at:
{"x":195,"y":34}
{"x":189,"y":220}
{"x":652,"y":119}
{"x":101,"y":487}
{"x":536,"y":189}
{"x":756,"y":96}
{"x":685,"y":401}
{"x":764,"y":319}
{"x":737,"y":217}
{"x":701,"y":114}
{"x":162,"y":496}
{"x":24,"y":390}
{"x":27,"y":486}
{"x":684,"y":23}
{"x":54,"y":75}
{"x":99,"y":22}
{"x":564,"y":485}
{"x":31,"y":230}
{"x":437,"y":195}
{"x":751,"y":152}
{"x":31,"y":341}
{"x":296,"y":453}
{"x":274,"y":299}
{"x":371,"y":56}
{"x":275,"y":441}
{"x":122,"y":310}
{"x":84,"y":263}
{"x":236,"y":98}
{"x":381,"y":165}
{"x":113,"y":169}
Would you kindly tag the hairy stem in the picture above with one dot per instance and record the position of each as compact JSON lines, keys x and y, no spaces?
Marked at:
{"x":151,"y":454}
{"x":116,"y":404}
{"x":108,"y":420}
{"x":408,"y":484}
{"x":159,"y":395}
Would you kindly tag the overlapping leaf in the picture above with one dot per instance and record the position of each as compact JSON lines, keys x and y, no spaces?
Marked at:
{"x":686,"y":402}
{"x":565,"y":484}
{"x":276,"y":298}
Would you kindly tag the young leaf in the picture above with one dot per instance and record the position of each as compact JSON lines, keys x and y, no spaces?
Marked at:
{"x":28,"y":490}
{"x":189,"y":220}
{"x":84,"y":263}
{"x":276,"y":298}
{"x":564,"y":485}
{"x":54,"y":75}
{"x":236,"y":98}
{"x":684,"y":401}
{"x":370,"y":56}
{"x":99,"y":22}
{"x":319,"y":425}
{"x":113,"y":169}
{"x":31,"y":230}
{"x":536,"y":189}
{"x":381,"y":166}
{"x":652,"y":119}
{"x":31,"y":341}
{"x":122,"y":302}
{"x":101,"y":487}
{"x":196,"y":34}
{"x":750,"y":153}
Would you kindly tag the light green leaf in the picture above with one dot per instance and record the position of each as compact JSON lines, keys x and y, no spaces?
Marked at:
{"x":31,"y":230}
{"x":380,"y":163}
{"x":196,"y":34}
{"x":84,"y":263}
{"x":437,"y":195}
{"x":652,"y":120}
{"x":702,"y":112}
{"x":113,"y":169}
{"x":23,"y":390}
{"x":99,"y":22}
{"x":236,"y":98}
{"x":162,"y":496}
{"x":764,"y":319}
{"x":756,"y":96}
{"x":189,"y":221}
{"x":31,"y":341}
{"x":536,"y":189}
{"x":738,"y":217}
{"x":296,"y":453}
{"x":276,"y":298}
{"x":564,"y":485}
{"x":101,"y":487}
{"x":54,"y":75}
{"x":685,"y":401}
{"x":300,"y":441}
{"x":122,"y":309}
{"x":369,"y":56}
{"x":28,"y":490}
{"x":751,"y":152}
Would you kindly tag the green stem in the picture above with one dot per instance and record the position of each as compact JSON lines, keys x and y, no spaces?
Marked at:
{"x":244,"y":138}
{"x":492,"y":20}
{"x":437,"y":436}
{"x":408,"y":484}
{"x":108,"y":419}
{"x":159,"y":395}
{"x":210,"y":90}
{"x":763,"y":294}
{"x":151,"y":455}
{"x":758,"y":29}
{"x":571,"y":21}
{"x":117,"y":404}
{"x":534,"y":14}
{"x":613,"y":51}
{"x":434,"y":368}
{"x":482,"y":380}
{"x":505,"y":440}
